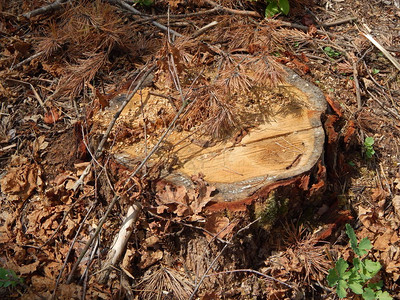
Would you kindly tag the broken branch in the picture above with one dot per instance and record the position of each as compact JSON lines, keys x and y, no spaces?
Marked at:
{"x":134,"y":11}
{"x":121,"y":240}
{"x":234,"y":11}
{"x":45,"y":9}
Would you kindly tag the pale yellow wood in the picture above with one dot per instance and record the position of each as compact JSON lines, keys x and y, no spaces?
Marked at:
{"x":284,"y":146}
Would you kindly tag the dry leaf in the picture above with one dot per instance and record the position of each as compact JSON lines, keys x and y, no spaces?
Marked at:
{"x":27,"y":269}
{"x":367,"y":219}
{"x":21,"y":180}
{"x":39,"y":144}
{"x":383,"y":241}
{"x":219,"y":226}
{"x":396,"y":204}
{"x":150,"y":258}
{"x":174,"y":3}
{"x":200,"y":202}
{"x":52,"y":116}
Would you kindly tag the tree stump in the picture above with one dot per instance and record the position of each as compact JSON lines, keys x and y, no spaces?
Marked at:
{"x":283,"y":143}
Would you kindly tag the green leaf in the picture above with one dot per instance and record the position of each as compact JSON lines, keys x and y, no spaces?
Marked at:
{"x":369,"y":141}
{"x":369,"y":152}
{"x":357,"y":264}
{"x":372,"y":267}
{"x":341,"y":266}
{"x":284,"y":6}
{"x":352,"y":237}
{"x":354,"y":275}
{"x":383,"y":296}
{"x":375,"y":71}
{"x":341,"y":288}
{"x":272,"y":9}
{"x":356,"y":287}
{"x":368,"y":294}
{"x":9,"y":278}
{"x":365,"y":244}
{"x":332,"y":277}
{"x":376,"y":285}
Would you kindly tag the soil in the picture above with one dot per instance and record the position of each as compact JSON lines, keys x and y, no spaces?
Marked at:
{"x":278,"y":243}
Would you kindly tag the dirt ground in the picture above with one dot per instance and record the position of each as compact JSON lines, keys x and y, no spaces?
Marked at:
{"x":62,"y":69}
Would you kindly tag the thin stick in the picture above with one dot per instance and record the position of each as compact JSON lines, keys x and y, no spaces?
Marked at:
{"x":45,"y":9}
{"x":118,"y":113}
{"x":38,"y":98}
{"x":156,"y":146}
{"x":357,"y":85}
{"x":393,"y":113}
{"x":204,"y":29}
{"x":30,"y":58}
{"x":134,"y":11}
{"x":188,"y":225}
{"x":383,"y":50}
{"x":252,"y":271}
{"x":338,"y":22}
{"x":234,"y":11}
{"x":124,"y":234}
{"x":8,"y":147}
{"x":297,"y":26}
{"x":181,"y":16}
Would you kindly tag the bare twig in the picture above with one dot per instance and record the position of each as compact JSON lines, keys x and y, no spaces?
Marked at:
{"x":38,"y":98}
{"x":234,"y":11}
{"x":280,"y":23}
{"x":181,"y":16}
{"x":190,"y":226}
{"x":8,"y":147}
{"x":392,"y":112}
{"x":338,"y":22}
{"x":252,"y":271}
{"x":45,"y":9}
{"x":204,"y":29}
{"x":383,"y":50}
{"x":134,"y":11}
{"x":30,"y":58}
{"x":357,"y":85}
{"x":122,"y":239}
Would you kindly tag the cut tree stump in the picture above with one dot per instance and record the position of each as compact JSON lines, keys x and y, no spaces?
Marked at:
{"x":287,"y":143}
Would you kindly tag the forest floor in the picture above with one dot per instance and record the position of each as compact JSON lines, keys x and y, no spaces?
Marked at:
{"x":63,"y":68}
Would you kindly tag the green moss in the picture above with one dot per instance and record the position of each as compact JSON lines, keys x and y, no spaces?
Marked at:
{"x":270,"y":210}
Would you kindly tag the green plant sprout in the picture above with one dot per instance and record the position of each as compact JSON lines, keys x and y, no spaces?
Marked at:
{"x":375,"y":71}
{"x":8,"y":278}
{"x":332,"y":53}
{"x":275,"y":7}
{"x":357,"y":278}
{"x":369,"y":147}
